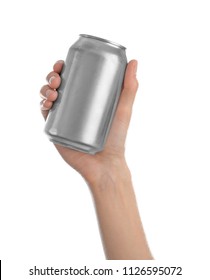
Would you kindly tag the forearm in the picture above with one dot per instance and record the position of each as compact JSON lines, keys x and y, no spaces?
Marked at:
{"x":118,"y":217}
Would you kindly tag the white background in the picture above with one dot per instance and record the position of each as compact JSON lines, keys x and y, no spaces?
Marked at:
{"x":46,"y":211}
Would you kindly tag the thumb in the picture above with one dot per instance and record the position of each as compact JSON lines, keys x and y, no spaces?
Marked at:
{"x":128,"y":93}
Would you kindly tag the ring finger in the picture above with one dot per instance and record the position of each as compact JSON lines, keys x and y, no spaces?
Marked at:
{"x":48,"y":94}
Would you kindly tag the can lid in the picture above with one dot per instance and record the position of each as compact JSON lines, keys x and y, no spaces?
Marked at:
{"x":103,"y":40}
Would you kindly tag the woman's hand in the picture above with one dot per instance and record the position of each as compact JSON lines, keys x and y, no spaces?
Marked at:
{"x":94,"y":167}
{"x":108,"y":176}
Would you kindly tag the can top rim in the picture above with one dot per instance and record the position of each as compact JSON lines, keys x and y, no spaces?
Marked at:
{"x":103,"y":40}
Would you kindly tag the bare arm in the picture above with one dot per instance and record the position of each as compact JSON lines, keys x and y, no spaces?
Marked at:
{"x":107,"y":174}
{"x":118,"y":217}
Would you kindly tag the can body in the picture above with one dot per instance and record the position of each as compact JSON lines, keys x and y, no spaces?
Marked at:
{"x":91,"y":82}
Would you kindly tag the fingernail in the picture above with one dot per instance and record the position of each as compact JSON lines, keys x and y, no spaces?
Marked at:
{"x":43,"y":107}
{"x":51,"y":79}
{"x":135,"y":65}
{"x":48,"y":93}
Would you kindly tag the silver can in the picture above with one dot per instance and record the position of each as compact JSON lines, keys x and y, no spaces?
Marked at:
{"x":92,"y":78}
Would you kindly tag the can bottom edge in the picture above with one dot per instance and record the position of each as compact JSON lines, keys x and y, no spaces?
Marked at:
{"x":78,"y":146}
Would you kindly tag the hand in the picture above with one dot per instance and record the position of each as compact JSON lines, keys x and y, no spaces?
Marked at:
{"x":95,"y":167}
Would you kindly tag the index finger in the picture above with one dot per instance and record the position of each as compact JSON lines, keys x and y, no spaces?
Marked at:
{"x":57,"y":67}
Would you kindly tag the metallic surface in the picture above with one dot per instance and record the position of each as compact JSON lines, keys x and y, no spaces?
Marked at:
{"x":92,"y":79}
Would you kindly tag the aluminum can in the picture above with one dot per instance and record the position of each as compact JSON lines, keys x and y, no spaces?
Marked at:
{"x":91,"y":83}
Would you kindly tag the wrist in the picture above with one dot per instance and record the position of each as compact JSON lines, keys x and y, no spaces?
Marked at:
{"x":115,"y":177}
